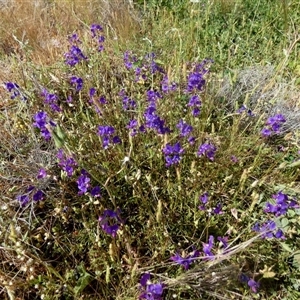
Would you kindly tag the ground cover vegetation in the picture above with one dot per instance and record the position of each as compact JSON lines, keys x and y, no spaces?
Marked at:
{"x":149,"y":149}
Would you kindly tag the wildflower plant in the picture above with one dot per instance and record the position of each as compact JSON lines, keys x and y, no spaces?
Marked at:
{"x":136,"y":146}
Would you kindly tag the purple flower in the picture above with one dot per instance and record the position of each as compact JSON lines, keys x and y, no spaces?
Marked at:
{"x":155,"y":122}
{"x":204,"y":199}
{"x":281,"y":206}
{"x":95,"y":192}
{"x":74,"y":39}
{"x":253,"y":285}
{"x":110,"y":221}
{"x":195,"y":82}
{"x":14,"y":89}
{"x":74,"y":56}
{"x":250,"y":282}
{"x":23,"y":199}
{"x":40,"y":119}
{"x":196,"y":112}
{"x":173,"y":154}
{"x":116,"y":140}
{"x":266,"y":132}
{"x":51,"y":100}
{"x":244,"y":108}
{"x":191,"y":140}
{"x":77,"y":82}
{"x":153,"y":96}
{"x":66,"y":163}
{"x":95,"y":29}
{"x":151,"y":65}
{"x":132,"y":125}
{"x":166,"y":86}
{"x":41,"y":122}
{"x":187,"y":260}
{"x":38,"y":196}
{"x":208,"y":150}
{"x":207,"y":247}
{"x":83,"y":183}
{"x":102,"y":100}
{"x":129,"y":59}
{"x":106,"y":132}
{"x":268,"y":230}
{"x":140,"y":77}
{"x":11,"y":86}
{"x":128,"y":103}
{"x":224,"y":241}
{"x":217,"y":210}
{"x":273,"y":125}
{"x":185,"y":128}
{"x":194,"y":101}
{"x":42,"y":174}
{"x":150,"y":291}
{"x":234,"y":159}
{"x":92,"y":92}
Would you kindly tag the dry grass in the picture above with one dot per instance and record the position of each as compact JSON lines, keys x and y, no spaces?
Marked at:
{"x":37,"y":30}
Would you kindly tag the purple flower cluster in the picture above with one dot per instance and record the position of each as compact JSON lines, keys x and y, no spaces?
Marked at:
{"x":132,"y":125}
{"x":83,"y":183}
{"x":185,"y":128}
{"x":283,"y":203}
{"x":269,"y":230}
{"x":204,"y":201}
{"x":150,"y":291}
{"x":250,"y":282}
{"x":106,"y":133}
{"x":51,"y":100}
{"x":187,"y":260}
{"x":128,"y":103}
{"x":96,"y":31}
{"x":41,"y":121}
{"x":195,"y":80}
{"x":76,"y":82}
{"x":152,"y":119}
{"x":168,"y":87}
{"x":111,"y":221}
{"x":273,"y":125}
{"x":208,"y":150}
{"x":195,"y":103}
{"x":173,"y":154}
{"x":31,"y":193}
{"x":75,"y":55}
{"x":14,"y":90}
{"x":140,"y":75}
{"x":129,"y":59}
{"x":68,"y":164}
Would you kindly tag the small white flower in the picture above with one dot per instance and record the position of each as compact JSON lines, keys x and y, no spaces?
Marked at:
{"x":125,"y":160}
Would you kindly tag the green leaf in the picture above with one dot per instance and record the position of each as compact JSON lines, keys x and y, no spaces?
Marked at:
{"x":296,"y":261}
{"x":286,"y":247}
{"x":284,"y":222}
{"x":83,"y":281}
